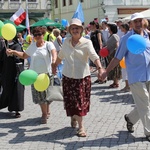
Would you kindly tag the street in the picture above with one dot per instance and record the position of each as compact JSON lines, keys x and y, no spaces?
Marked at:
{"x":104,"y":124}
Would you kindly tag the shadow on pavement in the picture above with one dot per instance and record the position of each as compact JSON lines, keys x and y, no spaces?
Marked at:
{"x":52,"y":137}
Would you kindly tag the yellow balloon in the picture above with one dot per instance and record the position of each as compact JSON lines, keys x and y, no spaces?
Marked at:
{"x":42,"y":82}
{"x":8,"y":31}
{"x":122,"y":63}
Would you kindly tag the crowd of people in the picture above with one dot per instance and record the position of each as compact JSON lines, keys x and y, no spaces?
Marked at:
{"x":77,"y":49}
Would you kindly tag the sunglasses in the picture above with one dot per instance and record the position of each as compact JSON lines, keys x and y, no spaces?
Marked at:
{"x":38,"y":34}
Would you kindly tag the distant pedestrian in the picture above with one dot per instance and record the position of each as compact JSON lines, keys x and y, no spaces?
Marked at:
{"x":12,"y":92}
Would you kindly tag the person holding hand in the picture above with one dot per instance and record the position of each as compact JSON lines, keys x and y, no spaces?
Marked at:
{"x":76,"y":80}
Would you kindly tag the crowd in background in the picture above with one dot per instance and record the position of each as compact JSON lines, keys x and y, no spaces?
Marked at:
{"x":102,"y":35}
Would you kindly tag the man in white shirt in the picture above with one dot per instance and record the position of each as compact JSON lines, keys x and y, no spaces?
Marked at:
{"x":119,"y":33}
{"x":105,"y":31}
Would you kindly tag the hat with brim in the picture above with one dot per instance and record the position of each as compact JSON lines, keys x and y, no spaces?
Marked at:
{"x":76,"y":22}
{"x":136,"y":16}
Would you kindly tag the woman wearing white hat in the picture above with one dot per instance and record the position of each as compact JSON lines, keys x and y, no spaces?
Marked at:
{"x":76,"y":51}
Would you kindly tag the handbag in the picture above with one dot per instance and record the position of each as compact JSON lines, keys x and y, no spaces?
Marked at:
{"x":54,"y":92}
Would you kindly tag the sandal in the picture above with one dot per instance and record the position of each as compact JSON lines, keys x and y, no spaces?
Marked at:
{"x":73,"y":122}
{"x":48,"y":115}
{"x":44,"y":120}
{"x":81,"y":133}
{"x":114,"y":85}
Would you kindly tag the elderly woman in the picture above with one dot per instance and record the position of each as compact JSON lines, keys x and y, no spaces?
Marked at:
{"x":41,"y":61}
{"x":76,"y":52}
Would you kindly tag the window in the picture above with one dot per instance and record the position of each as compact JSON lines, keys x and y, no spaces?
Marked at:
{"x":31,"y":1}
{"x":56,"y":3}
{"x":64,"y":2}
{"x":14,"y":0}
{"x":70,"y":2}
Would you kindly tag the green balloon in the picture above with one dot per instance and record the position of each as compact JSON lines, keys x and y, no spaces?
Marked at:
{"x":1,"y":25}
{"x":27,"y":77}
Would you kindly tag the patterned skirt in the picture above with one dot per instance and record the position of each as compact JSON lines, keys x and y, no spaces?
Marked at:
{"x":39,"y":97}
{"x":116,"y":72}
{"x":77,"y":95}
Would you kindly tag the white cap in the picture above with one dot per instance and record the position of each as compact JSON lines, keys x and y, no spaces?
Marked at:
{"x":136,"y":16}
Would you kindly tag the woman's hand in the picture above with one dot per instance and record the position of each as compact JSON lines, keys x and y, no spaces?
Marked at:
{"x":102,"y":74}
{"x":9,"y":52}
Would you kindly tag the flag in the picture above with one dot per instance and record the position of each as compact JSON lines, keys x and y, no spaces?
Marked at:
{"x":27,"y":20}
{"x":18,"y":16}
{"x":79,"y":13}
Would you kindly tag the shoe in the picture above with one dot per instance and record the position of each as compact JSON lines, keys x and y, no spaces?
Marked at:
{"x":102,"y":82}
{"x":17,"y":115}
{"x":125,"y":89}
{"x":81,"y":133}
{"x":129,"y":124}
{"x":73,"y":122}
{"x":114,"y":85}
{"x":148,"y":138}
{"x":96,"y":81}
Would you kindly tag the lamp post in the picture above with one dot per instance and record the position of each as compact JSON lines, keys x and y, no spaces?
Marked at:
{"x":101,"y":9}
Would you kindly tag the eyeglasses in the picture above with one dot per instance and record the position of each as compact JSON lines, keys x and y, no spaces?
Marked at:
{"x":137,"y":20}
{"x":38,"y":34}
{"x":75,"y":28}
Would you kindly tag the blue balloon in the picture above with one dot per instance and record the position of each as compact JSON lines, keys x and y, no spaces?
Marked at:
{"x":64,"y":22}
{"x":136,"y":44}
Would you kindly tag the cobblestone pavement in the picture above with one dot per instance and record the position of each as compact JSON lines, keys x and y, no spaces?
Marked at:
{"x":105,"y":125}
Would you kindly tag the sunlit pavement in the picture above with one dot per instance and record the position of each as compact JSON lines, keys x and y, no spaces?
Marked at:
{"x":104,"y":124}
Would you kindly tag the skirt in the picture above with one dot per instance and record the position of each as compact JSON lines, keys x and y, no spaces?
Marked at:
{"x":39,"y":97}
{"x":76,"y":95}
{"x":116,"y":72}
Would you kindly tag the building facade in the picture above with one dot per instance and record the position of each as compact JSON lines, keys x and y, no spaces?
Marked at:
{"x":109,"y":9}
{"x":64,"y":9}
{"x":118,"y":9}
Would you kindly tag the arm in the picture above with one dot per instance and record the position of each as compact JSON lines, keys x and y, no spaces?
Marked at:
{"x":54,"y":55}
{"x":114,"y":62}
{"x":100,"y":69}
{"x":55,"y":64}
{"x":21,"y":55}
{"x":100,"y":40}
{"x":59,"y":41}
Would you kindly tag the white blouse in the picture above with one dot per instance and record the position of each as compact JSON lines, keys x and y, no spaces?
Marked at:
{"x":76,"y":64}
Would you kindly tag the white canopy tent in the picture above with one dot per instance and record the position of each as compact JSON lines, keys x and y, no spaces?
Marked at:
{"x":145,"y":13}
